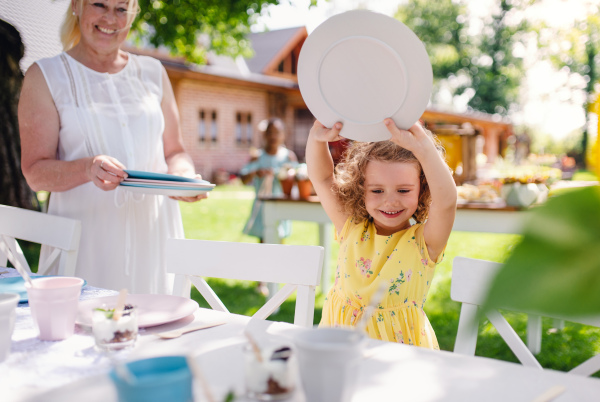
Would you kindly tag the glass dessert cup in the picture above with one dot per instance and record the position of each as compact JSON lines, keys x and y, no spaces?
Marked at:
{"x":273,"y":378}
{"x":111,"y":334}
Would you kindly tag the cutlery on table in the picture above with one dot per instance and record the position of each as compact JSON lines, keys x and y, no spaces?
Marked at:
{"x":190,"y":328}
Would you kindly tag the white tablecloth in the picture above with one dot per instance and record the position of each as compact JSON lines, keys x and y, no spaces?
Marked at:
{"x":72,"y":370}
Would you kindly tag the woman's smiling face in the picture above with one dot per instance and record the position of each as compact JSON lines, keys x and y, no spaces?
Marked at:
{"x":103,"y":23}
{"x":391,"y":194}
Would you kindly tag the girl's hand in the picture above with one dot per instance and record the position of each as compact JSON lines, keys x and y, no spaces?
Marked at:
{"x":323,"y":134}
{"x":264,"y":172}
{"x":415,"y":139}
{"x":194,"y":198}
{"x":106,"y":172}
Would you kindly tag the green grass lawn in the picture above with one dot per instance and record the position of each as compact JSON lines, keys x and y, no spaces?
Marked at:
{"x":224,"y":214}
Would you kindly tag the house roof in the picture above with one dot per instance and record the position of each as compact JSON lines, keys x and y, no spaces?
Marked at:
{"x":268,"y":46}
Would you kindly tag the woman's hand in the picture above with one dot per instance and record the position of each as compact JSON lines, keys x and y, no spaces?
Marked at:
{"x":323,"y":134}
{"x":194,"y":198}
{"x":106,"y":172}
{"x":415,"y":139}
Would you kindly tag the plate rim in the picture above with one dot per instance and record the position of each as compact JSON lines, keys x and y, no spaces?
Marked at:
{"x":323,"y":38}
{"x":83,"y":303}
{"x":141,"y":174}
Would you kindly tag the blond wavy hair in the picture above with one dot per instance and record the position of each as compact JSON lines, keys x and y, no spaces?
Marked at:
{"x":70,"y":33}
{"x":349,"y":180}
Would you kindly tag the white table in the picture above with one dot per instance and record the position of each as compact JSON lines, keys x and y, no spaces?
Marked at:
{"x":71,"y":370}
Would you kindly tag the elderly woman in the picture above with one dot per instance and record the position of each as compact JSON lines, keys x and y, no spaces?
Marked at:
{"x":85,"y":116}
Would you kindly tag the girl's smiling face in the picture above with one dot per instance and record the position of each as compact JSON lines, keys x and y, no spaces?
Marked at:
{"x":391,"y":194}
{"x":103,"y":23}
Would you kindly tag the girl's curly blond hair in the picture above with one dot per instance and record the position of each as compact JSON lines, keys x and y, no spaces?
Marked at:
{"x":349,"y":182}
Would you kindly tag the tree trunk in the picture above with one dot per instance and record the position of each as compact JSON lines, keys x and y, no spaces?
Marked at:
{"x":13,"y":187}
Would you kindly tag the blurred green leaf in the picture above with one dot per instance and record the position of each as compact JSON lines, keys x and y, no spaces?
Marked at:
{"x":555,"y":270}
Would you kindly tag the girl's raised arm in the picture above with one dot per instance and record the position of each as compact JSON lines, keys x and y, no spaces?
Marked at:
{"x":441,"y":184}
{"x":320,"y":170}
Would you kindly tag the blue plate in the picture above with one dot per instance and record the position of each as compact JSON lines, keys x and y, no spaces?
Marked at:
{"x":138,"y":174}
{"x":166,"y":187}
{"x":16,"y":284}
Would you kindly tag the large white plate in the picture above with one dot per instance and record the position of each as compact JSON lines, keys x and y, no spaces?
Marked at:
{"x":158,"y":190}
{"x":152,"y":309}
{"x":361,"y":67}
{"x":166,"y":183}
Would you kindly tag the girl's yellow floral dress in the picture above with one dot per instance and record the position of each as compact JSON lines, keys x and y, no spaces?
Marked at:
{"x":402,"y":262}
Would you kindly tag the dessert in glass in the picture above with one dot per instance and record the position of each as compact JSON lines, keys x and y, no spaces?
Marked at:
{"x":114,"y":334}
{"x":271,"y":378}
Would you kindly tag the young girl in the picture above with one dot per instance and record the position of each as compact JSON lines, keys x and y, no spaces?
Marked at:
{"x":270,"y":159}
{"x":370,"y":199}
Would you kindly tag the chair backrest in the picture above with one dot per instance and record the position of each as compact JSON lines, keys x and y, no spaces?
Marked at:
{"x":298,"y":267}
{"x":471,"y":280}
{"x":61,"y":233}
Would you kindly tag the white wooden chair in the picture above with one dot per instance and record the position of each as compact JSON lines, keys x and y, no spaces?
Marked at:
{"x":298,"y":267}
{"x":471,"y":280}
{"x":61,"y":233}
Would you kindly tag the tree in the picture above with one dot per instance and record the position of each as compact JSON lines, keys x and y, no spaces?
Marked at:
{"x":13,"y":187}
{"x":494,"y":69}
{"x":441,"y":27}
{"x":190,"y":28}
{"x":483,"y":65}
{"x":578,"y":51}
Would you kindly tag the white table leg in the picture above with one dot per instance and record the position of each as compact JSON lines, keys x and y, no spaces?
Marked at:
{"x":325,"y":242}
{"x":534,"y":333}
{"x":270,"y":236}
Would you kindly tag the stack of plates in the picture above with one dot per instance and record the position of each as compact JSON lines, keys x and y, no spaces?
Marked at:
{"x":165,"y":184}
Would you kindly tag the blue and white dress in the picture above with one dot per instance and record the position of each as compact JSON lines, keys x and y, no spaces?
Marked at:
{"x":254,"y":225}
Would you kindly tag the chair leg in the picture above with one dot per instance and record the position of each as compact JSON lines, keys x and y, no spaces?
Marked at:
{"x":512,"y":339}
{"x":558,"y":324}
{"x":588,"y":367}
{"x":534,"y":333}
{"x":466,"y":337}
{"x":305,"y":306}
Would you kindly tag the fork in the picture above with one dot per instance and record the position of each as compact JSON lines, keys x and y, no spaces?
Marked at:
{"x":190,"y":328}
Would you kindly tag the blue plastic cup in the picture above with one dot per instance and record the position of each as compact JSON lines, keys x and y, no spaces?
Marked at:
{"x":159,"y":379}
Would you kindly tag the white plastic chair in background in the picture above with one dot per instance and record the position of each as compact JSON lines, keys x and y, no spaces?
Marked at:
{"x":471,"y":280}
{"x":298,"y":267}
{"x":61,"y":233}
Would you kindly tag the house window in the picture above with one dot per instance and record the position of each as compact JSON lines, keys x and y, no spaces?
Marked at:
{"x":213,"y":127}
{"x":243,"y":128}
{"x":202,"y":126}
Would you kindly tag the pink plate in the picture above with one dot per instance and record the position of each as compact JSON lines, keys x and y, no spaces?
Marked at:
{"x":152,"y":309}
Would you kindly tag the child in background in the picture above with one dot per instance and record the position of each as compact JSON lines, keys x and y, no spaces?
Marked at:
{"x":370,"y":199}
{"x":262,"y":170}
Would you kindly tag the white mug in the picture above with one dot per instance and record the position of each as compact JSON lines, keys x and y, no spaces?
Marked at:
{"x":328,"y":360}
{"x":8,"y":304}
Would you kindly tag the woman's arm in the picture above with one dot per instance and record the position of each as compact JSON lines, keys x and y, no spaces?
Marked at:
{"x":320,"y":170}
{"x":178,"y":161}
{"x":39,"y":126}
{"x":441,"y":185}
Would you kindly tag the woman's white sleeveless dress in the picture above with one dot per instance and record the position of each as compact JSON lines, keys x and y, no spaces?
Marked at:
{"x":123,"y":234}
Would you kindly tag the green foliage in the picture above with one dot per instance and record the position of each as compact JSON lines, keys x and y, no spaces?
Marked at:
{"x":577,"y":50}
{"x":190,"y":28}
{"x":485,"y":63}
{"x":441,"y":27}
{"x":556,"y":268}
{"x":495,"y":71}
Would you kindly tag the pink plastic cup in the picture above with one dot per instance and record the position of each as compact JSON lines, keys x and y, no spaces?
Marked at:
{"x":54,"y":303}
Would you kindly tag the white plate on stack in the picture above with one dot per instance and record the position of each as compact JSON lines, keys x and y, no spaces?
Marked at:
{"x":361,"y":67}
{"x":164,"y":184}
